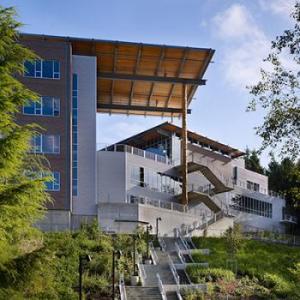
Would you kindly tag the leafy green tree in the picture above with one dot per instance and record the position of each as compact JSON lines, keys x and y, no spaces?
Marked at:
{"x":278,"y":90}
{"x":252,"y":161}
{"x":22,"y":198}
{"x":284,"y":178}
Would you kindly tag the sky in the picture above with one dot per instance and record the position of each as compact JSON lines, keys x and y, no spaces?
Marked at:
{"x":239,"y":31}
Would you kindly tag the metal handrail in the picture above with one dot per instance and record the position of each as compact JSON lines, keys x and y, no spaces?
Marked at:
{"x":163,"y":244}
{"x":178,"y":250}
{"x":227,"y":181}
{"x":173,"y":270}
{"x":141,"y":269}
{"x":122,"y":288}
{"x":161,"y":287}
{"x":173,"y":206}
{"x":136,"y":151}
{"x":153,"y":253}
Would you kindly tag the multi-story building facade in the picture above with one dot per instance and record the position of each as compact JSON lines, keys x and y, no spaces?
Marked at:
{"x":75,"y":78}
{"x":143,"y":177}
{"x":143,"y":181}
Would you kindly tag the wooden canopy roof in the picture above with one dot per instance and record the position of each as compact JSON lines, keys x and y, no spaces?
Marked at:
{"x":166,"y":127}
{"x":143,"y":79}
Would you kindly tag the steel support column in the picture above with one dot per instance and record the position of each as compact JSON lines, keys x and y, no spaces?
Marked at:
{"x":184,"y":199}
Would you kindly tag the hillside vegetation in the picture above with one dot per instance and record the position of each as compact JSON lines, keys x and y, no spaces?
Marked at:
{"x":260,"y":270}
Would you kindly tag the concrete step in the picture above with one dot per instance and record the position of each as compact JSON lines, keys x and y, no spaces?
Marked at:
{"x":139,"y":292}
{"x":182,"y":277}
{"x":172,"y":296}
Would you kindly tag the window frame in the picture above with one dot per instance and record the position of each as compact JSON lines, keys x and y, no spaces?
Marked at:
{"x":56,"y":184}
{"x":38,"y":69}
{"x":41,"y":107}
{"x":40,"y":138}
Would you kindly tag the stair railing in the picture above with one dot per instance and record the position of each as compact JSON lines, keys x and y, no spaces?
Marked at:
{"x":161,"y":287}
{"x":141,"y":270}
{"x":178,"y":250}
{"x":227,"y":181}
{"x":162,"y":244}
{"x":173,"y":270}
{"x":122,"y":288}
{"x":153,"y":254}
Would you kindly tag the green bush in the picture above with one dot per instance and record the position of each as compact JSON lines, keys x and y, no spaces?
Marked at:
{"x":270,"y":268}
{"x":192,"y":294}
{"x":202,"y":275}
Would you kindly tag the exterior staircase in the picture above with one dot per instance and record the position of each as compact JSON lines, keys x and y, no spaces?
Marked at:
{"x":142,"y":292}
{"x":197,"y":196}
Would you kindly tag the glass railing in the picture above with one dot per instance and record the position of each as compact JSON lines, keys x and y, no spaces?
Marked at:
{"x":132,"y":199}
{"x":134,"y":151}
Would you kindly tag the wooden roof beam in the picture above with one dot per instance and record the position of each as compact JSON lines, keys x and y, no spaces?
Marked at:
{"x":137,"y":62}
{"x":140,"y":108}
{"x":161,"y":79}
{"x":180,"y":68}
{"x":157,"y":69}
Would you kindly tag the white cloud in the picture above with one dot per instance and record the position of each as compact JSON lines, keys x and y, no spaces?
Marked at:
{"x":282,"y":8}
{"x":244,"y":45}
{"x":236,"y":22}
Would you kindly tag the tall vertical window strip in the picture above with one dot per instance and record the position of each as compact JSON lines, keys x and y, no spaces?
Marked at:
{"x":75,"y":135}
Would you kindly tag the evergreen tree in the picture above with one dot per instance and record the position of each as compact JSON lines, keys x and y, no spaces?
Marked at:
{"x":22,"y":198}
{"x":284,"y":178}
{"x":252,"y":161}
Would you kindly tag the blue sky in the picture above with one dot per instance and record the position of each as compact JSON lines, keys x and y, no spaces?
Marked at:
{"x":239,"y":31}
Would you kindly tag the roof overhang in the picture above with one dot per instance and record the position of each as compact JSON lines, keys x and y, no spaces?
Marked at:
{"x":141,"y":79}
{"x":152,"y":133}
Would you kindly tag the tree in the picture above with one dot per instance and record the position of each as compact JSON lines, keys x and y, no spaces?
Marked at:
{"x":252,"y":161}
{"x":22,"y":197}
{"x":284,"y":178}
{"x":278,"y":92}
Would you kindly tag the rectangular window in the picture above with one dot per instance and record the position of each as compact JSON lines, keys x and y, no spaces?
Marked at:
{"x":252,"y":206}
{"x":46,"y":106}
{"x":54,"y":184}
{"x":46,"y":144}
{"x":252,"y":186}
{"x":49,"y":69}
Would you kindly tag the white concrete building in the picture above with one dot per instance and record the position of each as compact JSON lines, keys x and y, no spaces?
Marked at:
{"x":139,"y":180}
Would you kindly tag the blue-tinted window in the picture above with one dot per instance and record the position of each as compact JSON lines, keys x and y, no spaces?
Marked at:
{"x":47,"y":69}
{"x":56,"y":107}
{"x":29,"y":68}
{"x":47,"y":106}
{"x":46,"y":144}
{"x":42,"y":69}
{"x":29,"y":108}
{"x":54,"y":183}
{"x":38,"y":68}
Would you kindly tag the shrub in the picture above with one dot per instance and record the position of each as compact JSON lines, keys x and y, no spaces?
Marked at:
{"x":202,"y":275}
{"x":192,"y":294}
{"x":278,"y":285}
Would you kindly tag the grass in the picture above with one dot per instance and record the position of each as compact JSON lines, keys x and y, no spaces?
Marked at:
{"x":270,"y":269}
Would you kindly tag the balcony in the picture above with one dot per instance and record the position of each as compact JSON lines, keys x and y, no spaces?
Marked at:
{"x":288,"y":219}
{"x":138,"y":152}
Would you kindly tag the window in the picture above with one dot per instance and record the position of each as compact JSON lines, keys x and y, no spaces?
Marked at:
{"x":54,"y":184}
{"x":42,"y":69}
{"x":54,"y":179}
{"x":252,"y":186}
{"x":252,"y":206}
{"x":47,"y":106}
{"x":46,"y":144}
{"x":155,"y":181}
{"x":75,"y":135}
